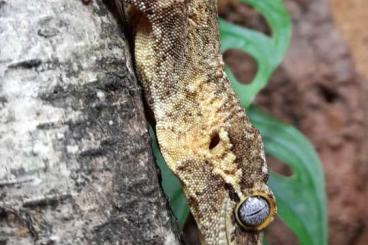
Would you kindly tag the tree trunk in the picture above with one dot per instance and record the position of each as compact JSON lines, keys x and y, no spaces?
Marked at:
{"x":75,"y":161}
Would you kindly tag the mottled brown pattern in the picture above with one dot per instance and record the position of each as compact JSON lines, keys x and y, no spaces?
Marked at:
{"x":203,"y":133}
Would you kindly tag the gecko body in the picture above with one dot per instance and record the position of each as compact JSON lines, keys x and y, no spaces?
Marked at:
{"x":203,"y":133}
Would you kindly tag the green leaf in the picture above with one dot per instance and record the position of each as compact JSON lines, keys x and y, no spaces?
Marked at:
{"x":267,"y":51}
{"x":265,"y":241}
{"x":301,"y":197}
{"x":170,"y":184}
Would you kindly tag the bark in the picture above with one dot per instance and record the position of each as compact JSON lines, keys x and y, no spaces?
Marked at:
{"x":75,"y":161}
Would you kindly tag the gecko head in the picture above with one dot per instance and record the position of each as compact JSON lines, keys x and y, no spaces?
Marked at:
{"x":256,"y":211}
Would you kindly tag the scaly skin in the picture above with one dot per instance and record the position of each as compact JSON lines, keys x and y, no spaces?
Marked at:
{"x":203,"y":133}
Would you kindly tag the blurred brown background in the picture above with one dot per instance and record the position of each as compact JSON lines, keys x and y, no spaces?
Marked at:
{"x":322,"y":89}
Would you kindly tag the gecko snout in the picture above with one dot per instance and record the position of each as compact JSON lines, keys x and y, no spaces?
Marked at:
{"x":255,"y":212}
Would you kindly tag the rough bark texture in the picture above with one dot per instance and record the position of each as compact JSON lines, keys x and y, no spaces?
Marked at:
{"x":75,"y":163}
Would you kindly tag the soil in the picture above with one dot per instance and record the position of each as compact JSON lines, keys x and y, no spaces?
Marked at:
{"x":321,"y":89}
{"x":351,"y":19}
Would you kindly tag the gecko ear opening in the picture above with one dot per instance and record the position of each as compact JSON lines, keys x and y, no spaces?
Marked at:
{"x":215,"y":140}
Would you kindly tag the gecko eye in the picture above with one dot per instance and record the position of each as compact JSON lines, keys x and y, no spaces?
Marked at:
{"x":255,"y":212}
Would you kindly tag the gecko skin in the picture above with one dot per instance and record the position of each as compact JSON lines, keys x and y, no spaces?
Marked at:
{"x":203,"y":133}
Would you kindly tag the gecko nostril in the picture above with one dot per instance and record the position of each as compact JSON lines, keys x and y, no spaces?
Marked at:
{"x":255,"y":212}
{"x":215,"y":140}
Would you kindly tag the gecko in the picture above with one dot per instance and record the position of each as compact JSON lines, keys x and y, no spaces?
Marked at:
{"x":203,"y":133}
